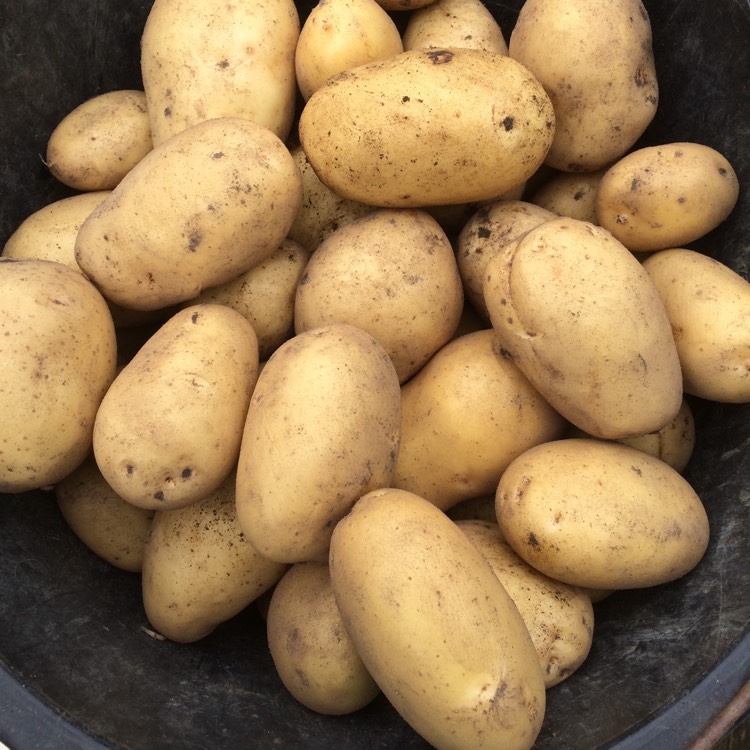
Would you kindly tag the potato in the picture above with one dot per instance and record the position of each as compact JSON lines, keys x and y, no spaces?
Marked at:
{"x":454,"y":23}
{"x":109,"y":526}
{"x":601,"y":515}
{"x":311,"y":650}
{"x":100,"y":141}
{"x":666,"y":196}
{"x":428,"y":127}
{"x":434,"y":626}
{"x":708,"y":305}
{"x":487,"y":230}
{"x":199,"y":570}
{"x":392,"y":273}
{"x":570,"y":194}
{"x":58,"y":349}
{"x":596,"y":62}
{"x":168,"y":430}
{"x":341,"y":34}
{"x":205,"y":60}
{"x":265,"y":295}
{"x":322,"y":429}
{"x":214,"y":201}
{"x":580,"y":317}
{"x":559,"y":617}
{"x":464,"y":417}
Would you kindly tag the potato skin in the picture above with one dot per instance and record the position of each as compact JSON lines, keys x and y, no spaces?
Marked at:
{"x":708,"y":306}
{"x":58,"y":349}
{"x":434,"y":626}
{"x":396,"y":133}
{"x":601,"y":515}
{"x":569,"y":286}
{"x":222,"y":194}
{"x":168,"y":430}
{"x":666,"y":196}
{"x":322,"y":429}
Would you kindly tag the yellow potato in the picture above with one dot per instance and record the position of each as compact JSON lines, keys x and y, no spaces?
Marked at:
{"x":434,"y":626}
{"x":464,"y":417}
{"x":428,"y":127}
{"x":168,"y":430}
{"x":199,"y":569}
{"x":392,"y":273}
{"x":265,"y":295}
{"x":570,"y":194}
{"x":454,"y":23}
{"x":580,"y":317}
{"x":596,"y":62}
{"x":311,"y":650}
{"x":207,"y":205}
{"x":322,"y":429}
{"x":100,"y":141}
{"x":58,"y":349}
{"x":111,"y":527}
{"x":601,"y":515}
{"x":559,"y":617}
{"x":205,"y":60}
{"x":341,"y":34}
{"x":666,"y":196}
{"x":708,"y":305}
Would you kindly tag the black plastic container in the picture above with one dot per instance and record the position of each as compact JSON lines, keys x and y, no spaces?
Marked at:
{"x":78,"y":670}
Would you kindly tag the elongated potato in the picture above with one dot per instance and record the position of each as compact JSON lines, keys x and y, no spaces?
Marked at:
{"x":428,"y":127}
{"x":434,"y":626}
{"x":204,"y":60}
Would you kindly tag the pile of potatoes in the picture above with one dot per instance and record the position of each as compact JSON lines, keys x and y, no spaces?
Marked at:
{"x":386,"y":328}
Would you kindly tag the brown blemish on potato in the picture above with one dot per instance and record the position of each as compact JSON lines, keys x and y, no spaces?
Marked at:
{"x":508,"y":123}
{"x":194,"y":241}
{"x":187,"y":472}
{"x":440,"y":57}
{"x":532,"y":541}
{"x":194,"y":317}
{"x":159,"y":495}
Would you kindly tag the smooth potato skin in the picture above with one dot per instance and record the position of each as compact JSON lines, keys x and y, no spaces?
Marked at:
{"x":601,"y":515}
{"x":434,"y":626}
{"x":396,"y":133}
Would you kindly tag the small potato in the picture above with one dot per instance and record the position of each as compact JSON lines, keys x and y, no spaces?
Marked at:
{"x":601,"y":515}
{"x":666,"y":196}
{"x":580,"y":317}
{"x":570,"y":194}
{"x":434,"y":626}
{"x":265,"y":295}
{"x":559,"y":617}
{"x":708,"y":306}
{"x":100,"y":141}
{"x":108,"y":525}
{"x":203,"y":207}
{"x":58,"y":350}
{"x":168,"y":431}
{"x":454,"y":23}
{"x":428,"y":127}
{"x":199,"y":569}
{"x":489,"y":229}
{"x":311,"y":650}
{"x":392,"y":273}
{"x":596,"y":62}
{"x":322,"y":429}
{"x":341,"y":34}
{"x":464,"y":417}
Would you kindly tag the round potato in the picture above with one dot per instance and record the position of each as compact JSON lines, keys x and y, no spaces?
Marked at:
{"x":392,"y":273}
{"x":434,"y":626}
{"x":311,"y":650}
{"x":100,"y":141}
{"x":464,"y":417}
{"x":601,"y":515}
{"x":570,"y":194}
{"x":341,"y":34}
{"x":708,"y":306}
{"x":168,"y":430}
{"x":113,"y":528}
{"x":428,"y":127}
{"x":666,"y":196}
{"x":58,"y":349}
{"x":581,"y":318}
